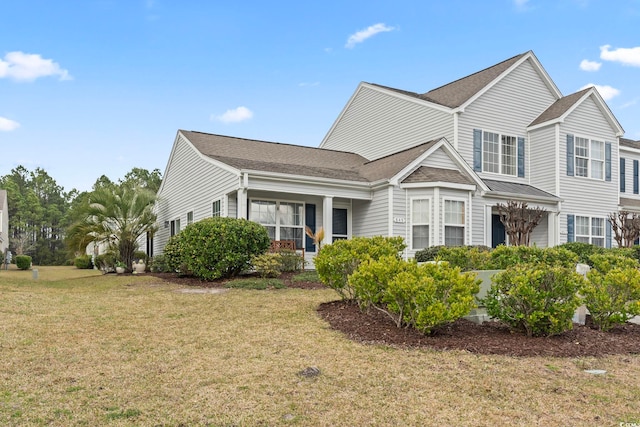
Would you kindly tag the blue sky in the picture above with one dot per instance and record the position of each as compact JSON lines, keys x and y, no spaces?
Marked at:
{"x":93,"y":87}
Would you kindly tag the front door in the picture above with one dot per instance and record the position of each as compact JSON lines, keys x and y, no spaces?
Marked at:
{"x":498,"y":235}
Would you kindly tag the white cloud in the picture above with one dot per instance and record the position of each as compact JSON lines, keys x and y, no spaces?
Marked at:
{"x":586,"y":65}
{"x":362,"y":35}
{"x":28,"y":67}
{"x":236,"y":115}
{"x":626,"y":56}
{"x":521,"y":4}
{"x":7,"y":125}
{"x":607,"y":92}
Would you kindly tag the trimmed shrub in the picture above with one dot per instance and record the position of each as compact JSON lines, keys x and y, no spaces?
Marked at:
{"x":538,"y":299}
{"x":215,"y":248}
{"x":23,"y":262}
{"x":583,"y":250}
{"x":140,"y":255}
{"x":420,"y":296}
{"x":83,"y":262}
{"x":466,"y":257}
{"x":158,"y":264}
{"x":290,"y":260}
{"x":337,"y":261}
{"x":612,"y":290}
{"x":268,"y":264}
{"x":106,"y":262}
{"x":428,"y":254}
{"x":504,"y":257}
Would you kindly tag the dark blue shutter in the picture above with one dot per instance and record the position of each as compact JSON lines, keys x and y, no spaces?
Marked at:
{"x":609,"y":232}
{"x":623,"y":177}
{"x":635,"y":177}
{"x":477,"y":150}
{"x":571,"y":230}
{"x":569,"y":154}
{"x":607,"y":161}
{"x":310,"y":221}
{"x":521,"y":157}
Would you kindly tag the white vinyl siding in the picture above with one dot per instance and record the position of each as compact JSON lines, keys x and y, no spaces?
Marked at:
{"x":507,"y":108}
{"x":589,"y":197}
{"x":543,"y":162}
{"x":189,"y":182}
{"x":378,"y":122}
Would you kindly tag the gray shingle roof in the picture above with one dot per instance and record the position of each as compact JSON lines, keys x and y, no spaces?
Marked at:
{"x":429,"y":174}
{"x":630,"y":203}
{"x":558,"y":108}
{"x":248,"y":154}
{"x":624,"y":142}
{"x":517,"y":189}
{"x":456,"y":93}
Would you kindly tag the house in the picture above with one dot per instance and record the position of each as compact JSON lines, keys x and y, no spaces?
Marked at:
{"x":430,"y":167}
{"x":4,"y":223}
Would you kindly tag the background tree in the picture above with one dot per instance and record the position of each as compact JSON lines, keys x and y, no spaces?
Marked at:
{"x":118,"y":216}
{"x":626,"y":227}
{"x":519,"y":221}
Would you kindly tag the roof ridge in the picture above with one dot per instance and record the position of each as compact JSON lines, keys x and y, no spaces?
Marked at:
{"x":269,"y":142}
{"x":476,"y":73}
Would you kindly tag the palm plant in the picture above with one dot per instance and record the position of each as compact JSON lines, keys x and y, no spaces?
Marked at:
{"x":118,"y":216}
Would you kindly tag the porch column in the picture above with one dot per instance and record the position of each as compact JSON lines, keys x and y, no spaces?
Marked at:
{"x":327,"y":219}
{"x":242,"y":203}
{"x":552,"y":229}
{"x":488,"y":224}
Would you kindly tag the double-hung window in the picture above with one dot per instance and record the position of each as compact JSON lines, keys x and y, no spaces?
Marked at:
{"x":419,"y":223}
{"x":216,"y":208}
{"x":189,"y":218}
{"x":283,"y":220}
{"x":499,"y":153}
{"x":589,"y":158}
{"x":590,"y":230}
{"x":454,"y":223}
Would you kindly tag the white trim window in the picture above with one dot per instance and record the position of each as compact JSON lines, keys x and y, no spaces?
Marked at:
{"x":189,"y":218}
{"x":175,"y":227}
{"x":216,"y":208}
{"x":283,"y":220}
{"x":420,"y":213}
{"x":499,"y":153}
{"x":454,"y":222}
{"x":590,"y":230}
{"x":589,"y":158}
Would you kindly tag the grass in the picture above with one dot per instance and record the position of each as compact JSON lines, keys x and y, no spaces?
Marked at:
{"x":131,"y":350}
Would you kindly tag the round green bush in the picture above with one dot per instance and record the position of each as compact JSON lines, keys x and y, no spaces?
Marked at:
{"x":83,"y":262}
{"x":23,"y":262}
{"x":583,"y":250}
{"x":504,"y":257}
{"x":337,"y":261}
{"x":419,"y":296}
{"x":538,"y":299}
{"x":216,"y":248}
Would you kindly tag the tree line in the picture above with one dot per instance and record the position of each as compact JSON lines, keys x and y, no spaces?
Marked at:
{"x":43,"y":216}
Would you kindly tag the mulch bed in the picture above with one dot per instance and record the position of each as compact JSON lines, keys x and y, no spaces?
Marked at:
{"x":375,"y":327}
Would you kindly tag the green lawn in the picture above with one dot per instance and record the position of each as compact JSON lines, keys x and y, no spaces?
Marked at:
{"x":79,"y":348}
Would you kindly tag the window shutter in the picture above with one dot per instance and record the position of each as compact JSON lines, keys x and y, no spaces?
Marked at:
{"x":477,"y":150}
{"x":622,"y":175}
{"x":571,"y":234}
{"x":607,"y":161}
{"x":609,"y":232}
{"x":635,"y":177}
{"x":569,"y":154}
{"x":310,"y":221}
{"x":520,"y":157}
